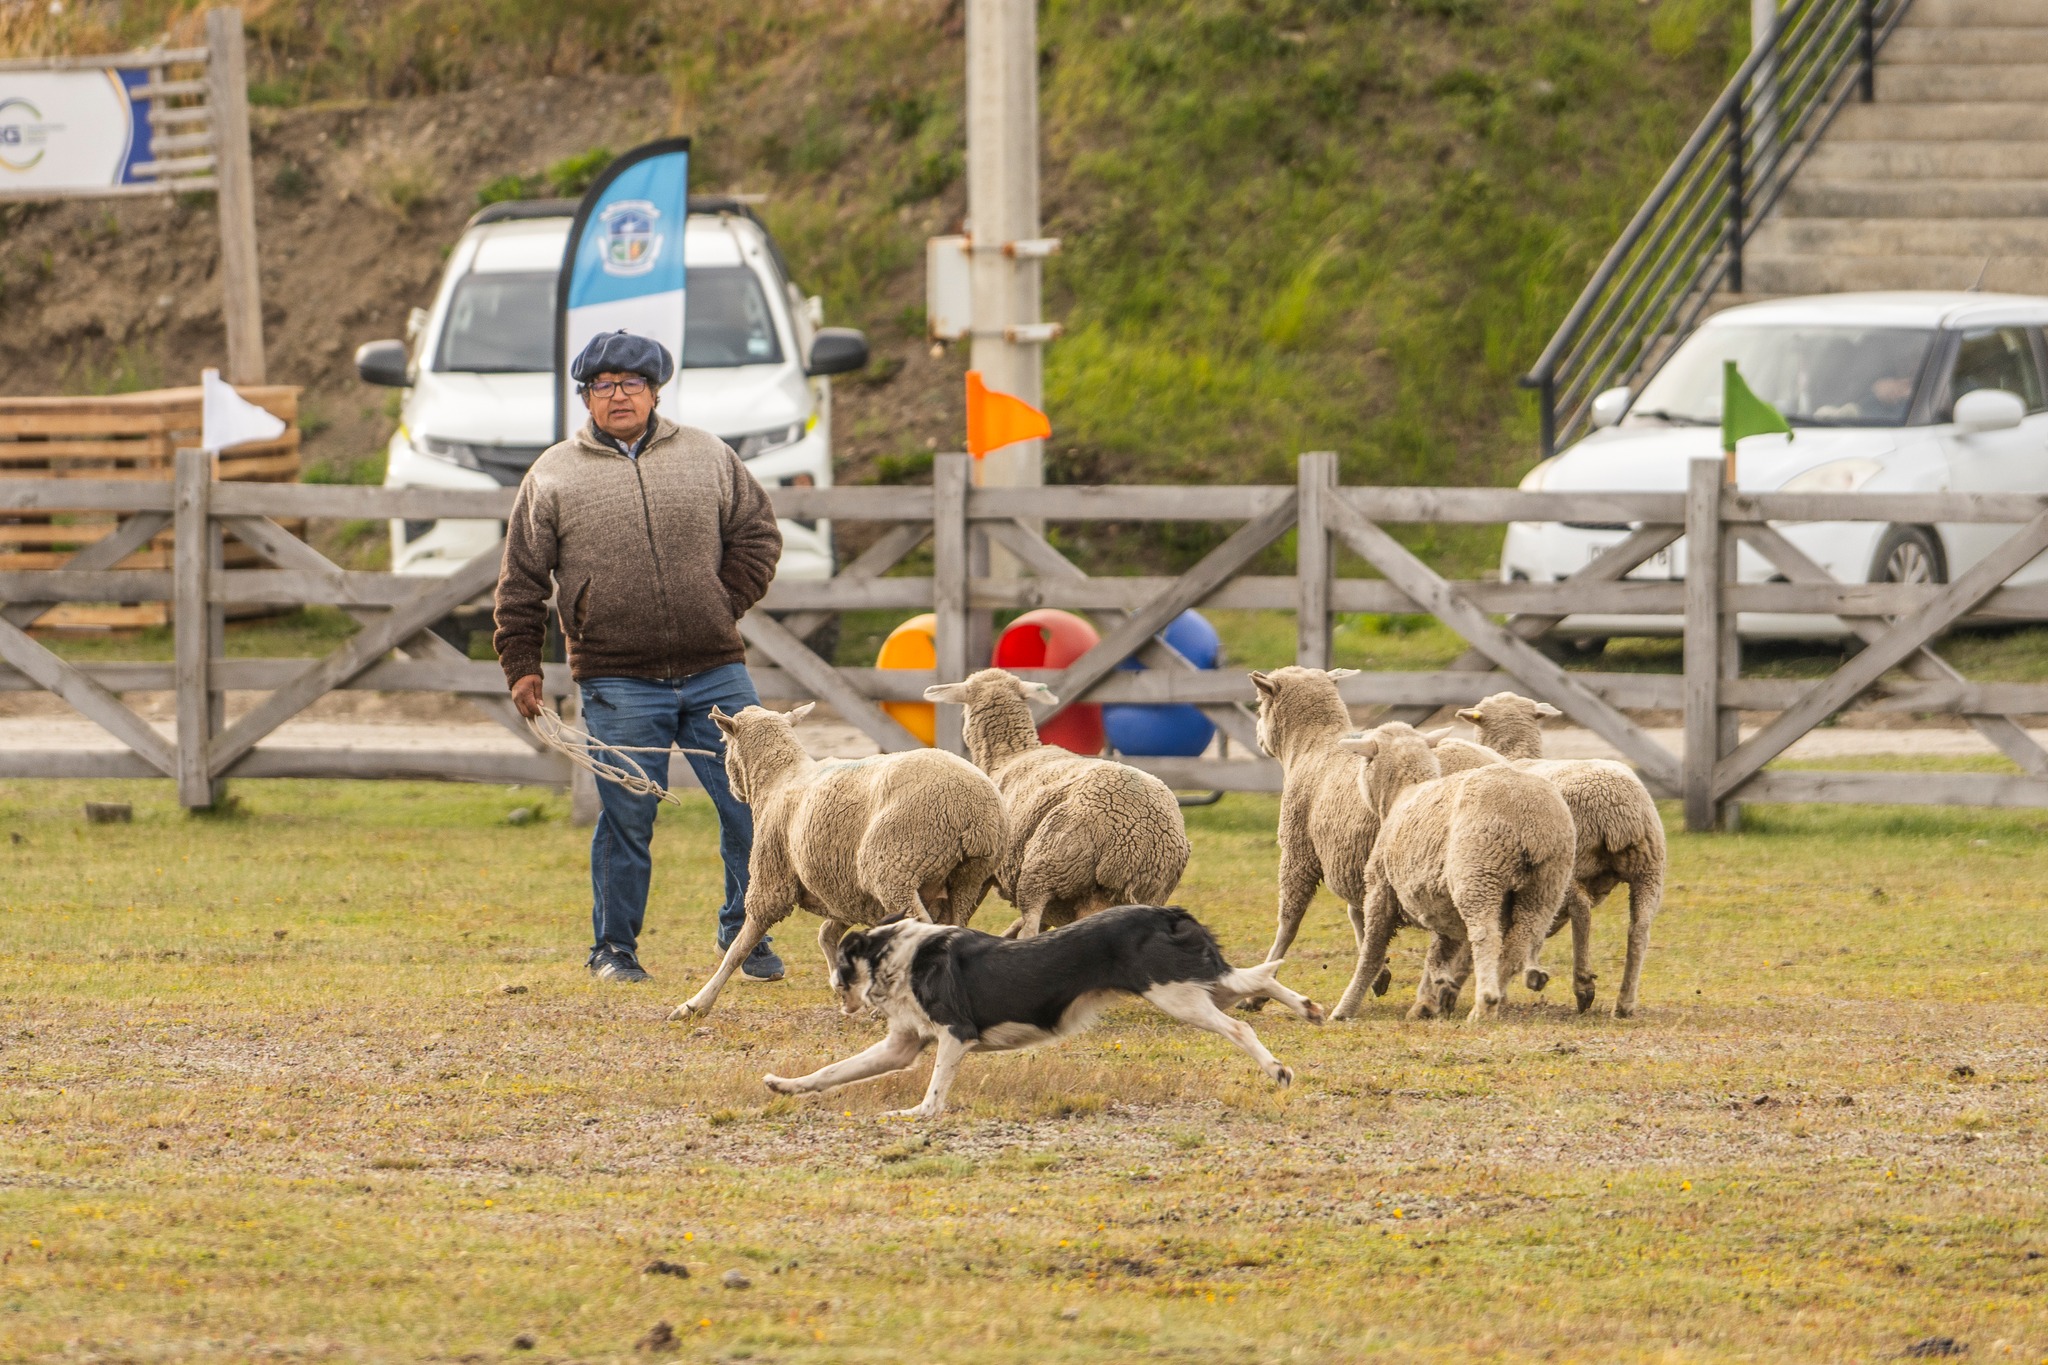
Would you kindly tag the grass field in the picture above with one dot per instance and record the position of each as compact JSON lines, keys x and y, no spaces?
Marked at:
{"x":326,"y":1079}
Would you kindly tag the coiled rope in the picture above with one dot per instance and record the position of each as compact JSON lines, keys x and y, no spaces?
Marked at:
{"x":612,"y":763}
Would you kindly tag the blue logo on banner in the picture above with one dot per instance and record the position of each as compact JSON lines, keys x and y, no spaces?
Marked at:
{"x":631,"y":244}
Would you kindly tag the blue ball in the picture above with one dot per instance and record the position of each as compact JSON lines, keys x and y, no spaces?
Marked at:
{"x":1176,"y":731}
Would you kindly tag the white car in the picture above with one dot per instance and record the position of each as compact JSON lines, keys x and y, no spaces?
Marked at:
{"x":1901,"y":392}
{"x":479,"y":373}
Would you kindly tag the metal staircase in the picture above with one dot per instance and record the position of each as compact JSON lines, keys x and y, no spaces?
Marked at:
{"x":1695,"y":238}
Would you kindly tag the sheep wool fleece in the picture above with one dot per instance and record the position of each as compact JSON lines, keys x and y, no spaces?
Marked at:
{"x":656,"y":558}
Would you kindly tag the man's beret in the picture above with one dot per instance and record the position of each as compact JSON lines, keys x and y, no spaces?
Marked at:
{"x":623,"y":353}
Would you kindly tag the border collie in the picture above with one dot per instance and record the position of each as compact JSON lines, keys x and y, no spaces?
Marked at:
{"x":972,"y":992}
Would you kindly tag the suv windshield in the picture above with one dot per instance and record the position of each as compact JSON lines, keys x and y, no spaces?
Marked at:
{"x":504,"y":322}
{"x":1815,"y":376}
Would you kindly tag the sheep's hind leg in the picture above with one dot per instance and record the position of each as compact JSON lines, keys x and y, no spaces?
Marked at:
{"x":1645,"y":895}
{"x":1579,"y":906}
{"x":893,"y":1053}
{"x":1191,"y":1003}
{"x":1383,"y":915}
{"x":1437,"y":979}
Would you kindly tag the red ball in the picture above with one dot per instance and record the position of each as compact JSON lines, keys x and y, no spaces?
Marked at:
{"x":1049,"y":638}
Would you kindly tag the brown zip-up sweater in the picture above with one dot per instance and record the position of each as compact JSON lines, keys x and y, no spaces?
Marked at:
{"x":656,"y":558}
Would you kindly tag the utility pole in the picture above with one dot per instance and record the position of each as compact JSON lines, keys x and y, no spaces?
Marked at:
{"x":1002,"y":220}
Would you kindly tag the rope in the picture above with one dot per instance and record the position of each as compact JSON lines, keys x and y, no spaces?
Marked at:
{"x":612,"y":763}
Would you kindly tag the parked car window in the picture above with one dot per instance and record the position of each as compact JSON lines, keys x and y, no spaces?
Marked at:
{"x":726,"y":320}
{"x":1998,"y":358}
{"x":1816,"y":376}
{"x":500,"y":323}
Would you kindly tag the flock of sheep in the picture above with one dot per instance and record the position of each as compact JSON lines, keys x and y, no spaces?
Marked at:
{"x":1488,"y":846}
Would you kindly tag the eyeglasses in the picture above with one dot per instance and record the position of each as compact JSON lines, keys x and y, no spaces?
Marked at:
{"x":633,"y":385}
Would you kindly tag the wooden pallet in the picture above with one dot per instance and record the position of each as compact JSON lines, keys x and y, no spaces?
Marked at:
{"x":122,"y":436}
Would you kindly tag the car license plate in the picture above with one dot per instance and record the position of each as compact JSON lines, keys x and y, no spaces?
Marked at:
{"x":1657,"y":565}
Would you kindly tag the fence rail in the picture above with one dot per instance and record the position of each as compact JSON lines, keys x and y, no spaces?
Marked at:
{"x":395,"y":649}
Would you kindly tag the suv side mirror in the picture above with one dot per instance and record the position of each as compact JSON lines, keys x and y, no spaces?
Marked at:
{"x":1990,"y":410}
{"x":383,"y":362}
{"x":836,"y":350}
{"x":1610,"y":406}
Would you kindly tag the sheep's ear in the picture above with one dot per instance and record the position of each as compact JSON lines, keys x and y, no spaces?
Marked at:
{"x":1336,"y":674}
{"x":1471,"y":713}
{"x":947,"y":692}
{"x":1547,"y":711}
{"x":797,"y":713}
{"x":1365,"y":746}
{"x":1435,"y":737}
{"x":1264,"y":683}
{"x":1036,"y":692}
{"x":724,"y":722}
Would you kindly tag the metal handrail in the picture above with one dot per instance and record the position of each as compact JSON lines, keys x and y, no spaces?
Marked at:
{"x":1687,"y":240}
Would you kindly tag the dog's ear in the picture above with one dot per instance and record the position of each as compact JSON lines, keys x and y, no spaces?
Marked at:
{"x":1472,"y":714}
{"x":1365,"y":746}
{"x":724,"y":722}
{"x":892,"y":919}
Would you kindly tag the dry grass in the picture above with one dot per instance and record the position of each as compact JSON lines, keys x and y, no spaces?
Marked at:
{"x":263,"y":1092}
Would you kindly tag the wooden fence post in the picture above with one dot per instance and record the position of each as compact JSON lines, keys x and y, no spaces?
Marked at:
{"x":1316,"y":478}
{"x":1703,"y":642}
{"x":195,"y":634}
{"x":241,"y":290}
{"x":950,"y":567}
{"x":1728,"y":649}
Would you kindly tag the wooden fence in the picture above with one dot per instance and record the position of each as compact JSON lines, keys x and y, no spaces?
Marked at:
{"x":394,"y":649}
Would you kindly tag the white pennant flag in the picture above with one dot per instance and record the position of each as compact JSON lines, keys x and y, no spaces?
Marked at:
{"x":228,"y":419}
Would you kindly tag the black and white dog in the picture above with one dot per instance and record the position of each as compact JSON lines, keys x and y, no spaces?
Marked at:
{"x":972,"y":992}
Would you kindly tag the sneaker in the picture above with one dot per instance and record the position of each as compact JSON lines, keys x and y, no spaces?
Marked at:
{"x":616,"y":964}
{"x":762,"y":964}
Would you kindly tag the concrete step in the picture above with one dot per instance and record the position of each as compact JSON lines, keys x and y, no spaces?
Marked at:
{"x":1974,"y":238}
{"x":1958,"y":46}
{"x":1968,"y":121}
{"x":1975,"y":14}
{"x":1810,"y":197}
{"x":1768,"y":274}
{"x":1914,"y":161}
{"x":1948,"y":83}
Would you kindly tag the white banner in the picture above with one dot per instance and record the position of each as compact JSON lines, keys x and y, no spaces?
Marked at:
{"x":71,"y":130}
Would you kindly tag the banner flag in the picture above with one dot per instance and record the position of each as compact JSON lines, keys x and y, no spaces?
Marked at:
{"x":72,"y":130}
{"x":996,"y":419}
{"x":623,"y":267}
{"x":228,"y":419}
{"x":1744,"y":414}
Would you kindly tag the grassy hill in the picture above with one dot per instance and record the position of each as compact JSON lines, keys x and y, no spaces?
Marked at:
{"x":1289,"y":224}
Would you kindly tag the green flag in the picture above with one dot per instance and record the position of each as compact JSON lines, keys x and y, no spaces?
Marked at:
{"x":1745,"y":414}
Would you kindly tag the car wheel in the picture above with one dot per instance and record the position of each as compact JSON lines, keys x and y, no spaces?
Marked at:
{"x":1909,"y":554}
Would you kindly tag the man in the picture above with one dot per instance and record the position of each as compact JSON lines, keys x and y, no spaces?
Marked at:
{"x":654,"y":540}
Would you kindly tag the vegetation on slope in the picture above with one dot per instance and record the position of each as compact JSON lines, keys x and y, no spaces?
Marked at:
{"x":1289,"y":224}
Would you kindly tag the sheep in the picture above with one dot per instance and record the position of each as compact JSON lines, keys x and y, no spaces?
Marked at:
{"x":854,"y":841}
{"x":1326,"y":825}
{"x":1620,"y":837}
{"x":1083,"y":833}
{"x":1482,"y":857}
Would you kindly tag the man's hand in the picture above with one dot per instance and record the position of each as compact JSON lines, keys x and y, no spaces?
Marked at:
{"x":526,"y":695}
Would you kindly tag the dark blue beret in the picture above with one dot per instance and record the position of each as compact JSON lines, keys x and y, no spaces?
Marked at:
{"x":623,"y":353}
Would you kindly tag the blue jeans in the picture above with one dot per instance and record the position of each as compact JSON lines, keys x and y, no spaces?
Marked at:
{"x":654,"y":713}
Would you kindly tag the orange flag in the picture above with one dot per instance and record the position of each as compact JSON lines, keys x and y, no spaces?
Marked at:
{"x":998,"y":419}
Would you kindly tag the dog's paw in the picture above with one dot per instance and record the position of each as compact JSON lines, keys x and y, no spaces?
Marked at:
{"x":909,"y":1115}
{"x":1313,"y":1012}
{"x":1382,"y":981}
{"x":1283,"y":1075}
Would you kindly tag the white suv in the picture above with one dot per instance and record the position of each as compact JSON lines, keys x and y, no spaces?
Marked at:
{"x":1903,"y":392}
{"x":479,"y":373}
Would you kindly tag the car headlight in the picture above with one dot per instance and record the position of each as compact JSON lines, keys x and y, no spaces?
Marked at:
{"x":1836,"y":476}
{"x":460,"y":453}
{"x":754,"y":444}
{"x":1532,"y":482}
